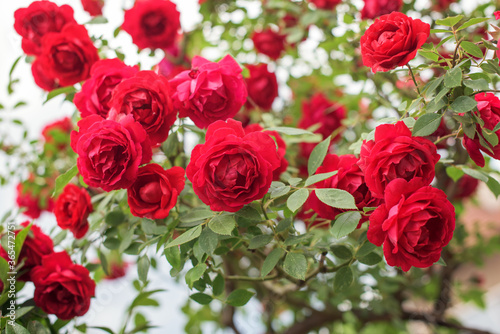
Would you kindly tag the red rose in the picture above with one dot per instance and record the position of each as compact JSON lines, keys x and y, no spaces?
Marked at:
{"x":93,"y":7}
{"x":210,"y":91}
{"x":36,"y":245}
{"x":396,"y":154}
{"x":110,"y":152}
{"x":146,"y":96}
{"x":42,"y":78}
{"x":414,"y":224}
{"x":117,"y":270}
{"x":392,"y":40}
{"x":262,"y":87}
{"x":67,"y":56}
{"x":169,"y":70}
{"x":497,"y":15}
{"x":280,"y":143}
{"x":155,"y":191}
{"x":465,"y":188}
{"x":33,"y":202}
{"x":62,"y":287}
{"x":376,"y":8}
{"x":349,"y":178}
{"x":443,"y":4}
{"x":488,"y":106}
{"x":57,"y":133}
{"x":232,"y":168}
{"x":325,"y":4}
{"x":269,"y":43}
{"x":72,"y":210}
{"x":328,"y":114}
{"x":38,"y":19}
{"x":95,"y":95}
{"x":152,"y":24}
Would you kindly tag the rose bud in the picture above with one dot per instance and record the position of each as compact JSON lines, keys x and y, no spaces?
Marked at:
{"x":262,"y":87}
{"x":269,"y":43}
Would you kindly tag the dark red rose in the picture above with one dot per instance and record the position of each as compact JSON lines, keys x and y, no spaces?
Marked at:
{"x":72,"y":210}
{"x":414,"y":224}
{"x":33,"y":200}
{"x":392,"y":40}
{"x":117,"y":270}
{"x":96,"y":92}
{"x":325,"y":4}
{"x":67,"y":56}
{"x":62,"y":287}
{"x":155,"y":191}
{"x":109,"y":151}
{"x":349,"y":178}
{"x":146,"y":96}
{"x":210,"y":91}
{"x":57,"y":133}
{"x":93,"y":7}
{"x":320,"y":111}
{"x":488,"y":106}
{"x":152,"y":24}
{"x":396,"y":154}
{"x":42,"y":78}
{"x":443,"y":4}
{"x":262,"y":87}
{"x":466,"y":186}
{"x":376,"y":8}
{"x":38,"y":19}
{"x":232,"y":168}
{"x":269,"y":43}
{"x":280,"y":143}
{"x":36,"y":245}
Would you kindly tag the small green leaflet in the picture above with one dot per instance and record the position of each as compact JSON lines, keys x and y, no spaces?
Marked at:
{"x":336,"y":198}
{"x":295,"y":265}
{"x":222,"y":224}
{"x":186,"y":237}
{"x":345,"y":223}
{"x":318,"y":155}
{"x":63,"y":179}
{"x":297,"y":199}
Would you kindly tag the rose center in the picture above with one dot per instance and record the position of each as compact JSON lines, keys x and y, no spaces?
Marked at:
{"x":151,"y":193}
{"x":385,"y":36}
{"x":153,"y":23}
{"x":67,"y":59}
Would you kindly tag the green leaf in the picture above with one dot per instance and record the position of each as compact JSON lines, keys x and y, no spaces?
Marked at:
{"x":271,"y":261}
{"x":143,"y":268}
{"x":472,"y":49}
{"x":260,"y":241}
{"x":345,"y":223}
{"x":293,"y":181}
{"x":426,"y":125}
{"x":104,"y":262}
{"x":343,"y":279}
{"x":249,"y":213}
{"x":195,"y":273}
{"x":19,"y":242}
{"x":429,"y":55}
{"x":463,"y":104}
{"x":479,"y":84}
{"x":493,"y":185}
{"x":336,"y":198}
{"x":450,"y":21}
{"x":208,"y":241}
{"x":318,"y":154}
{"x":441,"y":262}
{"x":173,"y":256}
{"x":59,"y":91}
{"x":98,"y":20}
{"x":222,"y":224}
{"x":185,"y":237}
{"x":297,"y":199}
{"x":319,"y":177}
{"x":475,"y":174}
{"x":239,"y":297}
{"x":454,"y":173}
{"x":115,"y":218}
{"x":453,"y":78}
{"x":342,"y":251}
{"x":196,"y":215}
{"x":201,"y":298}
{"x":218,"y":285}
{"x":290,"y":131}
{"x":370,"y":259}
{"x":63,"y":179}
{"x":366,"y":248}
{"x":15,"y":328}
{"x":280,"y":191}
{"x":295,"y":265}
{"x":491,"y":67}
{"x":35,"y":327}
{"x":472,"y":22}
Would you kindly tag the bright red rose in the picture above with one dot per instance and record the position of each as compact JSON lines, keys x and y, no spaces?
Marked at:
{"x":72,"y":210}
{"x":210,"y":91}
{"x":269,"y":43}
{"x":280,"y":143}
{"x":349,"y":178}
{"x":262,"y":87}
{"x":57,"y":133}
{"x":96,"y":92}
{"x":36,"y":245}
{"x":497,"y":15}
{"x":67,"y":56}
{"x":109,"y":151}
{"x":155,"y":191}
{"x":93,"y":7}
{"x":232,"y":168}
{"x":414,"y":224}
{"x":392,"y":40}
{"x":325,"y":4}
{"x":42,"y":78}
{"x":328,"y":114}
{"x":62,"y":287}
{"x":488,"y":106}
{"x":152,"y":24}
{"x":34,"y":203}
{"x":396,"y":154}
{"x":146,"y":96}
{"x":38,"y":19}
{"x":376,"y":8}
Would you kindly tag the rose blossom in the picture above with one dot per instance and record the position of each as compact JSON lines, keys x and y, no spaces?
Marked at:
{"x":262,"y":87}
{"x":95,"y":95}
{"x":154,"y":193}
{"x":269,"y":43}
{"x":67,"y":56}
{"x":72,"y":210}
{"x":36,"y":245}
{"x":57,"y":133}
{"x":62,"y":287}
{"x":38,"y":19}
{"x":32,"y":201}
{"x":392,"y":40}
{"x":328,"y":114}
{"x":42,"y":78}
{"x":93,"y":7}
{"x":325,"y":4}
{"x":396,"y":154}
{"x":146,"y":96}
{"x":210,"y":91}
{"x":414,"y":224}
{"x":232,"y":168}
{"x":109,"y":151}
{"x":376,"y":8}
{"x":152,"y":24}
